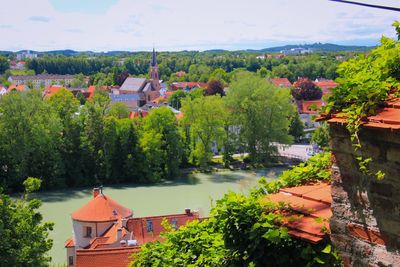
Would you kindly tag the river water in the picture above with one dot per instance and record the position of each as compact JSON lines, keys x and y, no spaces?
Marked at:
{"x":196,"y":191}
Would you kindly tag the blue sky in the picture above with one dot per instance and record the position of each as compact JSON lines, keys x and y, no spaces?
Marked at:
{"x":132,"y":25}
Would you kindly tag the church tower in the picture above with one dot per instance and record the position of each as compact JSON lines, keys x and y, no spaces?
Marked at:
{"x":154,"y":77}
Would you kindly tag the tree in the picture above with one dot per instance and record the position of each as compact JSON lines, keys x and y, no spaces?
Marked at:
{"x":119,"y":111}
{"x":321,"y":135}
{"x":205,"y":117}
{"x":262,"y":72}
{"x":219,"y":75}
{"x":163,"y":122}
{"x":296,"y":128}
{"x":261,"y":113}
{"x":176,"y":98}
{"x":305,"y":89}
{"x":24,"y":235}
{"x":215,"y":87}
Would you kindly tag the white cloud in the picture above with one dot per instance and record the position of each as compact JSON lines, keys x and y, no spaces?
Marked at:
{"x":181,"y":24}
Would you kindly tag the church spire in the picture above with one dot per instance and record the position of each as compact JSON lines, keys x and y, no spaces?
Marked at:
{"x":154,"y":59}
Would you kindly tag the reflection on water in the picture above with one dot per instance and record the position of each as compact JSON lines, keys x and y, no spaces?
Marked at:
{"x":197,"y":191}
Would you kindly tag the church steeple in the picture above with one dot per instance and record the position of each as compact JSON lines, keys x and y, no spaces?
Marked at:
{"x":154,"y":77}
{"x":154,"y":59}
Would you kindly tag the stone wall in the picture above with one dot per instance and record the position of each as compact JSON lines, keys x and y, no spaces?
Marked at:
{"x":365,"y":225}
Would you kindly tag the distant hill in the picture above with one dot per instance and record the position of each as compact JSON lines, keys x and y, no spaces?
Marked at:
{"x":326,"y":47}
{"x":317,"y":47}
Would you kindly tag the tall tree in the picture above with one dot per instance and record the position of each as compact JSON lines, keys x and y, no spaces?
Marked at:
{"x":205,"y":117}
{"x":163,"y":122}
{"x":261,"y":112}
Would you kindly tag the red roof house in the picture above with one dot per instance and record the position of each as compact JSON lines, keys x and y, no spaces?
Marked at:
{"x":105,"y":234}
{"x":281,"y":82}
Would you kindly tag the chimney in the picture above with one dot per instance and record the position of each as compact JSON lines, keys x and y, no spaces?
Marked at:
{"x":119,"y":234}
{"x":188,"y":211}
{"x":96,"y":192}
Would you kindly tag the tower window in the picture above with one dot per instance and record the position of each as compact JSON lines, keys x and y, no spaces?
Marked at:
{"x":70,"y":260}
{"x":149,"y":226}
{"x":88,"y":231}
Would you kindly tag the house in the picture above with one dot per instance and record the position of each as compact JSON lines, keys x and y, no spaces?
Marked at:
{"x":17,"y":65}
{"x":41,"y":80}
{"x":276,"y":56}
{"x":26,"y":55}
{"x":106,"y":233}
{"x":281,"y":82}
{"x":187,"y":85}
{"x":326,"y":85}
{"x":20,"y":88}
{"x":146,"y":90}
{"x":51,"y":90}
{"x":308,"y":110}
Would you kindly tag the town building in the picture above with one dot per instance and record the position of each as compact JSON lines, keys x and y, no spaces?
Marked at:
{"x":141,"y":90}
{"x":26,"y":55}
{"x":326,"y":85}
{"x":41,"y":80}
{"x":309,"y":111}
{"x":106,"y":233}
{"x":3,"y":89}
{"x":281,"y":82}
{"x":187,"y":85}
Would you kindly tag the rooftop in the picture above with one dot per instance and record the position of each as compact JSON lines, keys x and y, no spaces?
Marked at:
{"x":281,"y":82}
{"x":101,"y":209}
{"x":388,"y":117}
{"x":313,"y":205}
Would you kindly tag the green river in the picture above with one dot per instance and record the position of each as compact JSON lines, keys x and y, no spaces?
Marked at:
{"x":196,"y":191}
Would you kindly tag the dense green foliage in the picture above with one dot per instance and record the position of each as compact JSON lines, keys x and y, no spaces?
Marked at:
{"x":199,"y":66}
{"x":365,"y":84}
{"x":24,"y":237}
{"x":69,"y":142}
{"x":261,"y":112}
{"x":321,"y":135}
{"x":243,"y":231}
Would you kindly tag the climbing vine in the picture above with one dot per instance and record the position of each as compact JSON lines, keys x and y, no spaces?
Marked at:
{"x":366,"y":82}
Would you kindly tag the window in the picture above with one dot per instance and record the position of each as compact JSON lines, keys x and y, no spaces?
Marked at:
{"x":174,"y":223}
{"x":149,"y":226}
{"x":70,"y":260}
{"x":88,"y":231}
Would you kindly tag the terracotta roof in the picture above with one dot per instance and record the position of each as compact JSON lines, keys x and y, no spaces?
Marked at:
{"x":326,"y":84}
{"x":387,"y":117}
{"x":69,"y":243}
{"x":190,"y":85}
{"x":51,"y":90}
{"x":281,"y":82}
{"x":140,"y":228}
{"x":21,"y":87}
{"x":101,"y":209}
{"x":309,"y":106}
{"x":115,"y":257}
{"x":313,"y":203}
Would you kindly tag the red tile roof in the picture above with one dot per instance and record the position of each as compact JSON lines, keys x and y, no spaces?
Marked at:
{"x":101,"y":209}
{"x":326,"y":84}
{"x":313,"y":202}
{"x":51,"y":90}
{"x":190,"y":85}
{"x":281,"y":82}
{"x":387,"y":117}
{"x":69,"y":243}
{"x":309,"y":106}
{"x":110,"y":257}
{"x":21,"y":87}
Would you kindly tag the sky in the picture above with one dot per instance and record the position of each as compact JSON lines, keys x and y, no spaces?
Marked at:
{"x":173,"y":25}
